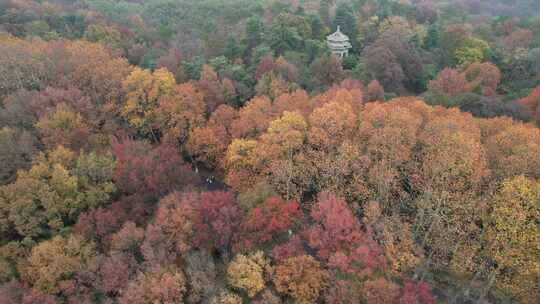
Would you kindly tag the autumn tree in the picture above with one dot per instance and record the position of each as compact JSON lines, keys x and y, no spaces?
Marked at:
{"x":103,"y":34}
{"x":283,"y":137}
{"x":172,"y":61}
{"x":98,"y":225}
{"x":172,"y":232}
{"x":127,"y":240}
{"x":532,"y":103}
{"x":514,"y":151}
{"x":240,"y":162}
{"x":272,"y":85}
{"x":57,"y":188}
{"x":16,"y":292}
{"x":342,"y":290}
{"x":36,"y":64}
{"x":201,"y":273}
{"x":484,"y":77}
{"x":17,"y":149}
{"x":396,"y":237}
{"x":212,"y":88}
{"x":338,"y":239}
{"x":63,"y":127}
{"x":449,"y":82}
{"x":331,"y":124}
{"x":179,"y":112}
{"x":380,"y":291}
{"x":23,"y":63}
{"x":296,"y":101}
{"x":225,"y":297}
{"x":383,"y":65}
{"x":95,"y":71}
{"x":143,"y":90}
{"x":107,"y":275}
{"x":209,"y":143}
{"x":216,"y":220}
{"x":326,"y":71}
{"x":394,"y":60}
{"x":454,"y":167}
{"x":375,"y":91}
{"x":38,"y":105}
{"x":516,"y":41}
{"x":249,"y":273}
{"x":302,"y":278}
{"x":388,"y":133}
{"x":335,"y":228}
{"x":268,"y":296}
{"x":253,"y":118}
{"x":149,"y":172}
{"x":511,"y":235}
{"x":156,"y":286}
{"x":458,"y":133}
{"x":451,"y":38}
{"x":271,"y":221}
{"x":472,"y":50}
{"x":57,"y":260}
{"x":265,"y":65}
{"x":417,"y":292}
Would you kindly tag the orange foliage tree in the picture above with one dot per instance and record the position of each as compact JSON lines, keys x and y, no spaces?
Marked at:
{"x":302,"y":278}
{"x":532,"y":103}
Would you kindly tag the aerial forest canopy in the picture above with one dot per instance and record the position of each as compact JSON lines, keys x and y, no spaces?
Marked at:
{"x":269,"y":151}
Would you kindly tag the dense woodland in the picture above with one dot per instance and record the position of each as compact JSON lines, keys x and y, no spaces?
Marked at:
{"x":214,"y":151}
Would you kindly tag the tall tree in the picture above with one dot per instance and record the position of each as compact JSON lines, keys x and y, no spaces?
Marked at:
{"x":143,"y":90}
{"x":512,"y":235}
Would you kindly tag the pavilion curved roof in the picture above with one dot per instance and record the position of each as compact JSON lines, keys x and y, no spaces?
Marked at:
{"x":338,"y":36}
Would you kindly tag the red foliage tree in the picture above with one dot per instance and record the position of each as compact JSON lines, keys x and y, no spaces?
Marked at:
{"x":296,"y":101}
{"x":449,"y":82}
{"x":417,"y":293}
{"x":172,"y":61}
{"x":212,"y":88}
{"x":519,"y":39}
{"x":268,"y":222}
{"x":375,"y":91}
{"x":216,"y":220}
{"x":111,"y":274}
{"x":485,"y":76}
{"x":532,"y":103}
{"x":208,"y":144}
{"x":98,"y":224}
{"x":266,"y":65}
{"x":149,"y":172}
{"x":335,"y":229}
{"x":171,"y":233}
{"x":294,"y":247}
{"x":338,"y":239}
{"x":16,"y":293}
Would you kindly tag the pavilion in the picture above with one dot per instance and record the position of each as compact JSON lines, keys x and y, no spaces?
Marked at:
{"x":339,"y":43}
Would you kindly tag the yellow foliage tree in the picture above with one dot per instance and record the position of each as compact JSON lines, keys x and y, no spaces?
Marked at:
{"x":284,"y":136}
{"x":513,"y":235}
{"x":226,"y":298}
{"x":57,"y":260}
{"x":63,"y":127}
{"x":331,"y":124}
{"x":248,"y":272}
{"x":143,"y":89}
